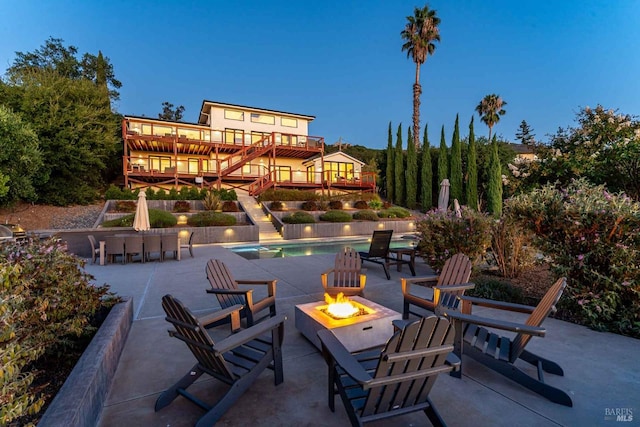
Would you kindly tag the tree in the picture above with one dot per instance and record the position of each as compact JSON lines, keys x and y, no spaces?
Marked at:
{"x":443,"y":159}
{"x":419,"y":35}
{"x":398,"y":158}
{"x":490,"y":109}
{"x":170,"y":113}
{"x":426,"y":174}
{"x":412,"y":172}
{"x":20,"y":158}
{"x":389,"y":173}
{"x":472,"y":170}
{"x":494,"y":190}
{"x":525,"y":134}
{"x":456,"y":164}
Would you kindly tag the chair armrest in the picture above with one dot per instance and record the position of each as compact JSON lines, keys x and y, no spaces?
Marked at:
{"x":246,"y":335}
{"x":454,"y":361}
{"x":497,"y":324}
{"x":407,"y":282}
{"x":270,"y":283}
{"x":455,"y":288}
{"x":501,"y":305}
{"x":331,"y":346}
{"x":324,"y":277}
{"x":233,"y":311}
{"x":229,"y":291}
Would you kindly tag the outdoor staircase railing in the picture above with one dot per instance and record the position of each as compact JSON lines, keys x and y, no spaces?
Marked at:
{"x":248,"y":153}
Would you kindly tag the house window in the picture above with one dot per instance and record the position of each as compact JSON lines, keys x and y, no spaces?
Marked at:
{"x":337,"y":171}
{"x":283,"y":173}
{"x":193,"y":165}
{"x":263,"y":118}
{"x":158,"y":164}
{"x":234,"y":115}
{"x":257,"y":136}
{"x":289,"y":139}
{"x":311,"y":173}
{"x":290,"y":123}
{"x":233,"y":136}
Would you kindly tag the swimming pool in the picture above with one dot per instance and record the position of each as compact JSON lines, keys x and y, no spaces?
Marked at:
{"x":307,"y":248}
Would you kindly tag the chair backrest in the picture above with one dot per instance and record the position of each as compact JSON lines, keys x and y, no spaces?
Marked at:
{"x":92,"y":240}
{"x":346,"y":271}
{"x":152,"y":243}
{"x":169,"y":242}
{"x":114,"y":245}
{"x":220,"y":277}
{"x":456,"y":270}
{"x":133,"y":244}
{"x":194,"y":334}
{"x":380,"y":243}
{"x":543,"y":309}
{"x":409,"y":365}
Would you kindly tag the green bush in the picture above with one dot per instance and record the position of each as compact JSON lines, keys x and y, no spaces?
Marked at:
{"x":309,"y":206}
{"x":593,"y":239}
{"x":335,"y":205}
{"x":230,"y":206}
{"x":443,"y":234}
{"x":394,"y":212}
{"x":376,"y":204}
{"x":366,"y":215}
{"x":210,"y":219}
{"x":125,"y":206}
{"x":287,"y":195}
{"x":276,"y":206}
{"x":336,"y":216}
{"x":299,"y":217}
{"x":497,"y":290}
{"x":181,"y":206}
{"x":161,"y":195}
{"x":157,"y":219}
{"x":227,"y":195}
{"x":47,"y":303}
{"x":361,"y":204}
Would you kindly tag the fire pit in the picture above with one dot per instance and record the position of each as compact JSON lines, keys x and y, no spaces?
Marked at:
{"x":368,"y":325}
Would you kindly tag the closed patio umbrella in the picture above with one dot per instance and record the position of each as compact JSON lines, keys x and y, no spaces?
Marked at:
{"x":456,"y":208}
{"x":141,"y":219}
{"x":443,"y":197}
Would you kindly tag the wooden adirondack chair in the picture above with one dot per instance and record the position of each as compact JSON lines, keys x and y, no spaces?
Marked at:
{"x":500,"y":353}
{"x":456,"y":271}
{"x":95,"y":248}
{"x":347,"y":275}
{"x":237,"y":360}
{"x":396,"y":379}
{"x":225,"y":287}
{"x":379,"y":250}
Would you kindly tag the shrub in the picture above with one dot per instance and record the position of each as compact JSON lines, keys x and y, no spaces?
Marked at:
{"x":335,"y":205}
{"x":497,"y":290}
{"x":276,"y":206}
{"x":394,"y":212}
{"x":209,"y":219}
{"x":592,"y":238}
{"x":230,"y":206}
{"x":443,"y":234}
{"x":47,"y":303}
{"x":173,"y":194}
{"x":184,"y":193}
{"x":287,"y":195}
{"x":511,"y":246}
{"x":366,"y":215}
{"x":376,"y":204}
{"x":309,"y":206}
{"x":211,"y":201}
{"x":113,"y":193}
{"x":161,"y":195}
{"x":361,"y":204}
{"x":157,"y":219}
{"x":227,"y":195}
{"x":336,"y":216}
{"x":299,"y":217}
{"x":181,"y":206}
{"x":151,"y":194}
{"x":125,"y":206}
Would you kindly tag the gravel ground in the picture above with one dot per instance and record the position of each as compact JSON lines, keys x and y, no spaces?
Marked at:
{"x":45,"y":217}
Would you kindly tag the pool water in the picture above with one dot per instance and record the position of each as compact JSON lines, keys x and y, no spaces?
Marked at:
{"x":303,"y":249}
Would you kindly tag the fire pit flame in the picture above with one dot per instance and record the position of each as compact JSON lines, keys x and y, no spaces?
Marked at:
{"x":340,"y":307}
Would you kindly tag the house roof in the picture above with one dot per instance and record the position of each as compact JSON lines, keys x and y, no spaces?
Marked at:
{"x":203,"y":115}
{"x":335,"y":153}
{"x":522,"y":149}
{"x":155,"y":119}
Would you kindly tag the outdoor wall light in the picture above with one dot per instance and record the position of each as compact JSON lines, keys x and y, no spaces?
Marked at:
{"x":182,"y":219}
{"x":307,"y":228}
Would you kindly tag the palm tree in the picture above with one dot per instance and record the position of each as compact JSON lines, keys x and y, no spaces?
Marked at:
{"x":419,"y":35}
{"x":490,"y":109}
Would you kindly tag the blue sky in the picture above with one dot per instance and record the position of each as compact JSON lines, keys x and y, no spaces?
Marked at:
{"x":341,"y":60}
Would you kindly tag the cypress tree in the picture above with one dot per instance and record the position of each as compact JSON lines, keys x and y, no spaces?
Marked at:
{"x":412,"y":172}
{"x":494,"y":192}
{"x":426,"y":174}
{"x":389,"y":173}
{"x":456,"y":164}
{"x":443,"y":159}
{"x":398,"y":191}
{"x":472,"y":170}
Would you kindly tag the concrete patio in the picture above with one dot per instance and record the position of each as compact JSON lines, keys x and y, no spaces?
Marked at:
{"x":601,"y":369}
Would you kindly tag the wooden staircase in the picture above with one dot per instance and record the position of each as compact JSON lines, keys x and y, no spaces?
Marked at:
{"x":248,"y":153}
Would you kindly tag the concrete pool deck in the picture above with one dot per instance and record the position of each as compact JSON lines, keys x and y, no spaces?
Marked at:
{"x":601,"y":369}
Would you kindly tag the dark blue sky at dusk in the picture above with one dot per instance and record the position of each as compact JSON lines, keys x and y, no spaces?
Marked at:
{"x":341,"y":60}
